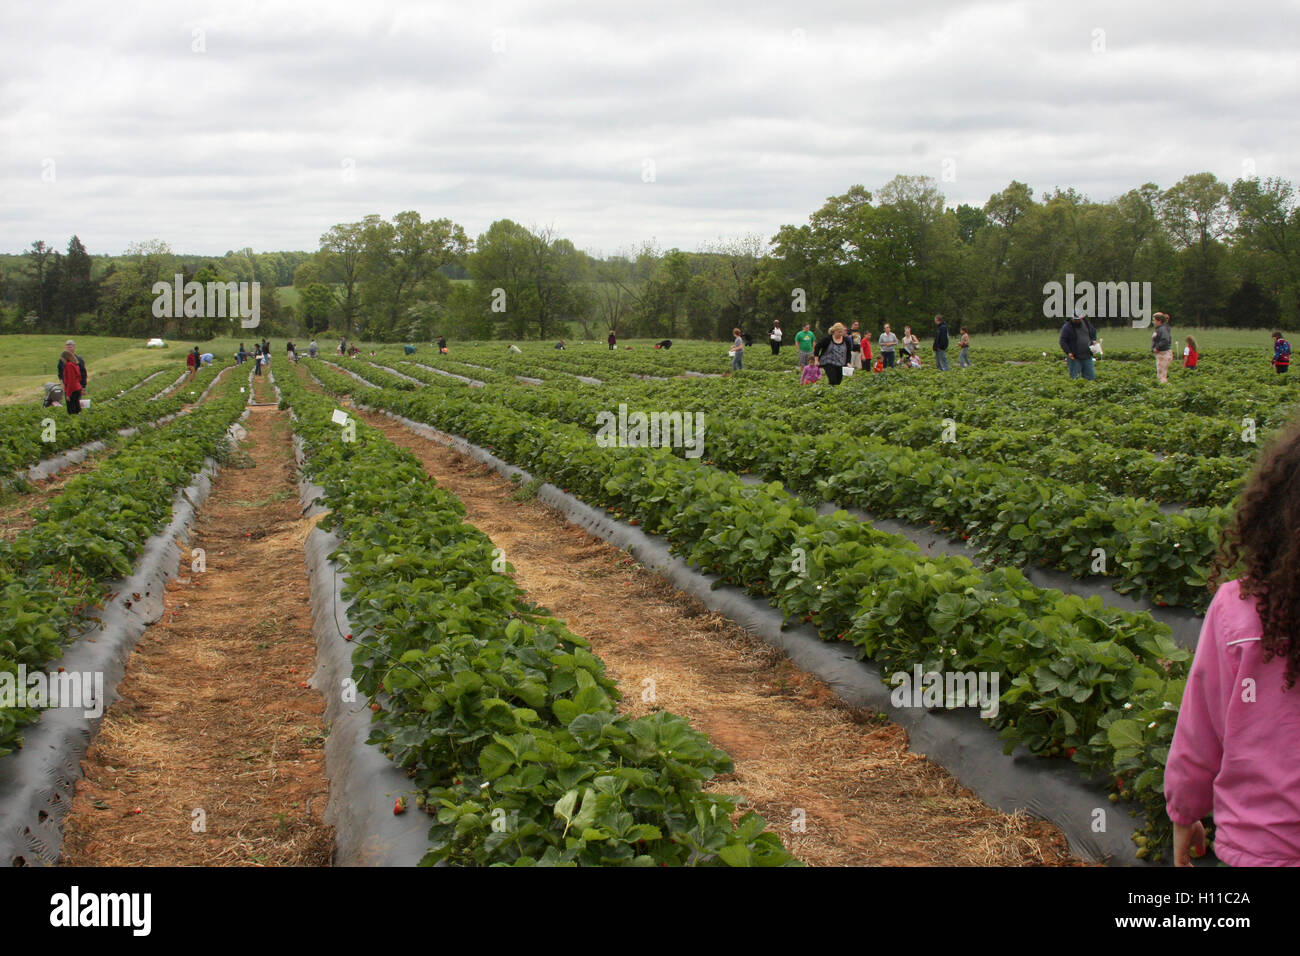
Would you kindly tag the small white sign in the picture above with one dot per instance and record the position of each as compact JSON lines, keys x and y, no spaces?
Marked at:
{"x":339,"y":417}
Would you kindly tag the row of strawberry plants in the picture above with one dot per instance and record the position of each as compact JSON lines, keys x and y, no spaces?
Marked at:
{"x":91,"y":534}
{"x":112,"y":385}
{"x":1067,"y":453}
{"x":1205,"y":415}
{"x":29,"y":433}
{"x":1014,"y":516}
{"x":504,"y":717}
{"x":368,"y":373}
{"x":1096,"y":684}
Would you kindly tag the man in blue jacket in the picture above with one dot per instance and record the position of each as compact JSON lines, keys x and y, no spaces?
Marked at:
{"x":1077,"y":336}
{"x":940,"y":345}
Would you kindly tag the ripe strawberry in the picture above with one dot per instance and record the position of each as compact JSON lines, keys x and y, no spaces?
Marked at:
{"x":1070,"y":752}
{"x":399,"y":806}
{"x":348,"y":638}
{"x":375,"y":708}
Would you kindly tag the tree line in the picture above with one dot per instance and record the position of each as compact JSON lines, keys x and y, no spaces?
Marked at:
{"x":1214,"y":253}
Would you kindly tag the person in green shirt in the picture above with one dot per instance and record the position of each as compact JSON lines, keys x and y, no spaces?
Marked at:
{"x":805,"y":340}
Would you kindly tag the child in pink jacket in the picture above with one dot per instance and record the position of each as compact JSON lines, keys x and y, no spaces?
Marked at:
{"x":1233,"y":752}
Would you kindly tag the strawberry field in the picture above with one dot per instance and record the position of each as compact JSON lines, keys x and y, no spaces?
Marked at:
{"x":823,"y":503}
{"x":1117,"y":482}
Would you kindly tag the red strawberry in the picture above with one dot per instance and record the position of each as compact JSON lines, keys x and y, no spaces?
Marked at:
{"x":375,"y":708}
{"x":1070,"y":752}
{"x":348,"y":638}
{"x":399,"y":806}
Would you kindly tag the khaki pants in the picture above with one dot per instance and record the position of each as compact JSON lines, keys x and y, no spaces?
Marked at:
{"x":1162,"y":364}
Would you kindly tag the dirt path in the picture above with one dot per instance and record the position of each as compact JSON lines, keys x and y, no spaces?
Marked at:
{"x":865,"y":799}
{"x":215,"y":753}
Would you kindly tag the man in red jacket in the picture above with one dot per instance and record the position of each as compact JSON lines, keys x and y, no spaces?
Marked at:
{"x":70,"y":356}
{"x":71,"y":376}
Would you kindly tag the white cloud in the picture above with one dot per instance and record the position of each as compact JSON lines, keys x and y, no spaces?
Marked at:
{"x":546,"y":113}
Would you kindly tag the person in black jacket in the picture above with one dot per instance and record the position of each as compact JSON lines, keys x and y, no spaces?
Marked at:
{"x":940,"y":344}
{"x":71,"y":346}
{"x":833,"y":353}
{"x":1077,"y":336}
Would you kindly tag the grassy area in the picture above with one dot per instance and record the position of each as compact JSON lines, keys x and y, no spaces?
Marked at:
{"x":27,"y":362}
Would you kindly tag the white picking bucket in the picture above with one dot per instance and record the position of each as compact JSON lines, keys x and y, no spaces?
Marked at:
{"x":85,"y":403}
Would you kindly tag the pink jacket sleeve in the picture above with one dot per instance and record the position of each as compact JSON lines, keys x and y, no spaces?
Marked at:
{"x":1197,"y":751}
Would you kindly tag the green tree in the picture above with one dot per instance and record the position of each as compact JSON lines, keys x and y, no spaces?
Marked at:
{"x":1195,"y":212}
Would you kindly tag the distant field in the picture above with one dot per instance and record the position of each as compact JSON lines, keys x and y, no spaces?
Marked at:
{"x":28,"y":361}
{"x":1129,"y":338}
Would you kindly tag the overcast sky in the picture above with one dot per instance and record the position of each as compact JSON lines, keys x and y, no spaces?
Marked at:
{"x":223,"y":125}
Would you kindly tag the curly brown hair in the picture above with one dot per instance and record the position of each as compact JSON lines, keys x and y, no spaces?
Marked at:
{"x":1263,"y":540}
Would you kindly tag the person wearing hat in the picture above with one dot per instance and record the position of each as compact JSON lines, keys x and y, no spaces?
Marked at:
{"x":834,"y":352}
{"x":71,"y":346}
{"x":1077,"y":336}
